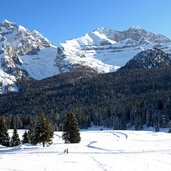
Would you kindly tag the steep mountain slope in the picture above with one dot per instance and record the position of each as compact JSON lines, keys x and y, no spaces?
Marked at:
{"x":23,"y":53}
{"x":151,"y":58}
{"x":106,"y":50}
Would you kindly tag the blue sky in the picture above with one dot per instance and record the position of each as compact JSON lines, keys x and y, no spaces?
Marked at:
{"x":60,"y":20}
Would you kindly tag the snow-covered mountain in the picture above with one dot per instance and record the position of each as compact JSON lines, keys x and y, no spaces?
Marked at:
{"x":106,"y":49}
{"x":148,"y":59}
{"x":23,"y":53}
{"x":29,"y":54}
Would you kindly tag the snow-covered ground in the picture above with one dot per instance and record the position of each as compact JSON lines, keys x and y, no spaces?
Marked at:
{"x":108,"y":150}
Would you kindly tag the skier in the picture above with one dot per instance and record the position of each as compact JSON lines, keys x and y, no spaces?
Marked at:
{"x":66,"y":150}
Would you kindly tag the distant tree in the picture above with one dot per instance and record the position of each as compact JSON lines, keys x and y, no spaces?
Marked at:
{"x":157,"y":128}
{"x":4,"y":137}
{"x":169,"y":126}
{"x":137,"y":118}
{"x":13,"y":122}
{"x":156,"y":122}
{"x":163,"y":121}
{"x":71,"y":132}
{"x":42,"y":132}
{"x":30,"y":135}
{"x":25,"y":138}
{"x":15,"y":140}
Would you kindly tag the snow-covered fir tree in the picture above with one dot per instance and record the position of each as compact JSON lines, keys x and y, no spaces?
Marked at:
{"x":4,"y":137}
{"x":15,"y":140}
{"x":71,"y":132}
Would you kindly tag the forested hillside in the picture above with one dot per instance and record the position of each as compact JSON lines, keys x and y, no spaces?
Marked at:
{"x":124,"y":98}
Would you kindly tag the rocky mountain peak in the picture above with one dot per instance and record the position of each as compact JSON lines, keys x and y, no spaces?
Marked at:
{"x":136,"y":34}
{"x":19,"y":36}
{"x":140,"y":35}
{"x":8,"y":24}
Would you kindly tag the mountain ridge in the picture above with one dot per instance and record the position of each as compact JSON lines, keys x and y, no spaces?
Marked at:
{"x":29,"y":54}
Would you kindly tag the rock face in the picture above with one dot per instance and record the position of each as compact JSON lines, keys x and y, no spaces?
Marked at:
{"x":23,"y":53}
{"x":135,"y":35}
{"x":151,"y":58}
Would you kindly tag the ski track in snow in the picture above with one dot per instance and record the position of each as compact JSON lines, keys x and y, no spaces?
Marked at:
{"x":90,"y":145}
{"x":121,"y":134}
{"x":102,"y":166}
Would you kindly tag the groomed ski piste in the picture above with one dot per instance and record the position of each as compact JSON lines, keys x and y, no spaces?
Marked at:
{"x":106,"y":150}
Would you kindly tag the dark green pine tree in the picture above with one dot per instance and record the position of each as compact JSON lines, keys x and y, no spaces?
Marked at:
{"x":42,"y":132}
{"x":30,"y":135}
{"x":15,"y":140}
{"x":169,"y":127}
{"x":4,"y":137}
{"x":25,"y":138}
{"x":156,"y":121}
{"x":71,"y":132}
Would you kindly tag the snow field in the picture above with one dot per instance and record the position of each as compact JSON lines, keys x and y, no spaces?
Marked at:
{"x":108,"y":150}
{"x":42,"y":65}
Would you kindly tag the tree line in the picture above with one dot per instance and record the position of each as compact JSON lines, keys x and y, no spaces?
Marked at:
{"x":41,"y":132}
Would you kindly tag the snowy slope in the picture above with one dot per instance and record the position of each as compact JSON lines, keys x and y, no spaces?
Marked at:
{"x":41,"y":65}
{"x":106,"y":49}
{"x":99,"y":150}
